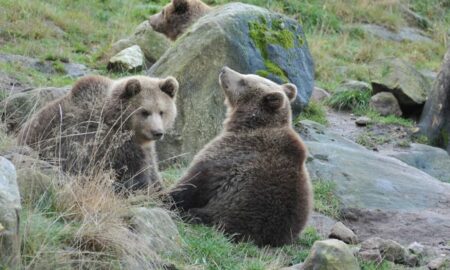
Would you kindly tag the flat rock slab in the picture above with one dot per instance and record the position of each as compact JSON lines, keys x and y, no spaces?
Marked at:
{"x":403,"y":34}
{"x":73,"y":70}
{"x":432,"y":160}
{"x":366,"y":179}
{"x":428,"y":227}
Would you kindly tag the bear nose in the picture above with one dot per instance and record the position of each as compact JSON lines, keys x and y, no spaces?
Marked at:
{"x":157,"y":134}
{"x":224,"y":69}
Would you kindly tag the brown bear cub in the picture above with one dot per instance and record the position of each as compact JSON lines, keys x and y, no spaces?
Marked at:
{"x":108,"y":125}
{"x":177,"y":16}
{"x":251,"y":180}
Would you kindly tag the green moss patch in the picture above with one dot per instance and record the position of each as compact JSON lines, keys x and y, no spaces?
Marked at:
{"x":264,"y":33}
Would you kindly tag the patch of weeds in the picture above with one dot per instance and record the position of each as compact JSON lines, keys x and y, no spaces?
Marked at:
{"x":420,"y":138}
{"x":350,"y":100}
{"x":404,"y":143}
{"x":371,"y":140}
{"x":385,"y":120}
{"x":325,"y":201}
{"x":172,"y":174}
{"x":366,"y":265}
{"x":59,"y":67}
{"x":43,"y":240}
{"x":315,"y":111}
{"x":206,"y":247}
{"x":309,"y":236}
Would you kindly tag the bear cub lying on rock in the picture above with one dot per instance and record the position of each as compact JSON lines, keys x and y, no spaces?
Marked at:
{"x":251,"y":180}
{"x":106,"y":124}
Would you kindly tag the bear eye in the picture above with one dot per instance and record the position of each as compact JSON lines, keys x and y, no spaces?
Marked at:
{"x":146,"y":113}
{"x":161,"y":113}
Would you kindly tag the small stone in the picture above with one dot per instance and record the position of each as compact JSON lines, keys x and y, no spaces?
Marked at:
{"x":341,"y":232}
{"x":385,"y":103}
{"x":372,"y":255}
{"x":389,"y":249}
{"x":319,"y":94}
{"x":131,"y":58}
{"x":439,"y":264}
{"x":363,"y":121}
{"x":416,"y":248}
{"x":330,"y":254}
{"x":1,"y":228}
{"x":157,"y":228}
{"x":412,"y":260}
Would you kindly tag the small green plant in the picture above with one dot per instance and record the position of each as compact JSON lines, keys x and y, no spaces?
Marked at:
{"x":366,"y":265}
{"x":315,"y":111}
{"x":420,"y":138}
{"x":325,"y":201}
{"x":385,"y":120}
{"x":371,"y":140}
{"x":350,"y":100}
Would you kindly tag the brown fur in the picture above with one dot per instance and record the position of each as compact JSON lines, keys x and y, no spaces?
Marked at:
{"x":251,"y":179}
{"x":105,"y":124}
{"x":177,"y":16}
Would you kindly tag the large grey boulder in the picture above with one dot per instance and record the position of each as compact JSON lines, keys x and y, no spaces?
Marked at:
{"x":403,"y":34}
{"x":246,"y":38}
{"x":17,"y":108}
{"x":407,"y":84}
{"x":366,"y":179}
{"x":379,"y":194}
{"x":330,"y":254}
{"x":152,"y":43}
{"x":432,"y":160}
{"x":9,"y":215}
{"x":435,"y":118}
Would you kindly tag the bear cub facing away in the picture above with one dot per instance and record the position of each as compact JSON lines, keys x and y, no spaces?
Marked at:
{"x":108,"y":125}
{"x":251,"y":180}
{"x":177,"y":16}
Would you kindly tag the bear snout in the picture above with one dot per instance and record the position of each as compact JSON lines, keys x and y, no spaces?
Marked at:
{"x":153,"y":20}
{"x":157,"y":134}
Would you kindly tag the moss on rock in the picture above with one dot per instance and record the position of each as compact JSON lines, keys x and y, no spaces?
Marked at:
{"x":263,"y":34}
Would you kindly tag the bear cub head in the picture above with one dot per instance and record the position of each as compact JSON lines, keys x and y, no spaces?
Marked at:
{"x":146,"y":105}
{"x":255,"y":102}
{"x":177,"y":16}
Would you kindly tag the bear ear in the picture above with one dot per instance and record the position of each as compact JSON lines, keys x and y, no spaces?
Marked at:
{"x":169,"y":86}
{"x":290,"y":90}
{"x":273,"y":101}
{"x":181,"y":6}
{"x":132,"y":88}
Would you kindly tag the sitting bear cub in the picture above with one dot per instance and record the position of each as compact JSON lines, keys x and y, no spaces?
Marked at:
{"x":106,"y":124}
{"x":251,"y":180}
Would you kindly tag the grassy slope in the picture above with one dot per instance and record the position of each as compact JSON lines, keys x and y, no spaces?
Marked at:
{"x":30,"y":28}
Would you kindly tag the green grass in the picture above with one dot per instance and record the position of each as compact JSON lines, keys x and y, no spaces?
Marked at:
{"x":385,"y":120}
{"x":208,"y":248}
{"x":325,"y":201}
{"x":350,"y":100}
{"x":315,"y":111}
{"x":365,"y":265}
